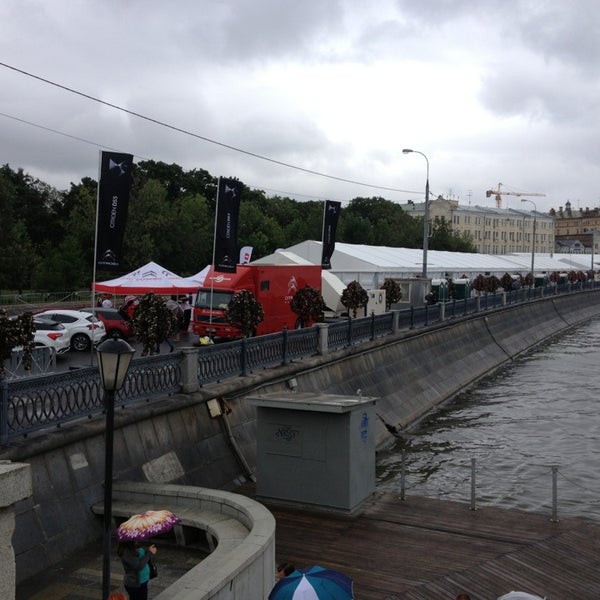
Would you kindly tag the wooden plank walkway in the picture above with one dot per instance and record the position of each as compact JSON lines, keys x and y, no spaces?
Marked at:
{"x":425,"y":549}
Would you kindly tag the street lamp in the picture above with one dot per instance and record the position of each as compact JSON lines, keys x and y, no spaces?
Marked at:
{"x":426,"y":224}
{"x":532,"y":240}
{"x":114,"y":358}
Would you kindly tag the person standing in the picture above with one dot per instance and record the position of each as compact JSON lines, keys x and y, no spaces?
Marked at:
{"x":186,"y":306}
{"x":134,"y":559}
{"x":177,"y":311}
{"x":285,"y":569}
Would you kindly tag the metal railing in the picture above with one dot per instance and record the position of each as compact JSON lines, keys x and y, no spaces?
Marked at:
{"x":494,"y":497}
{"x":34,"y":403}
{"x":14,"y":303}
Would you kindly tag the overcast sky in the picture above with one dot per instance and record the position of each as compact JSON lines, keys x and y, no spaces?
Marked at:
{"x":489,"y":90}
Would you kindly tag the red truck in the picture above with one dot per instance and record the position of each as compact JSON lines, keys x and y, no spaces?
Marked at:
{"x":273,"y":286}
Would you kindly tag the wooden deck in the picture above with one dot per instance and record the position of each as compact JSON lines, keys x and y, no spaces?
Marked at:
{"x":424,"y":549}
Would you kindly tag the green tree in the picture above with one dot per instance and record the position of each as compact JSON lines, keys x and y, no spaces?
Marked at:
{"x":152,"y":322}
{"x":20,"y":257}
{"x":176,"y":182}
{"x":479,"y":284}
{"x":245,"y":312}
{"x":308,"y":304}
{"x":151,"y":227}
{"x":29,"y":224}
{"x":379,"y":222}
{"x":194,"y":235}
{"x":16,"y":331}
{"x":69,"y":263}
{"x":393,"y":292}
{"x":354,"y":297}
{"x":506,"y":281}
{"x":444,"y":238}
{"x":258,"y":230}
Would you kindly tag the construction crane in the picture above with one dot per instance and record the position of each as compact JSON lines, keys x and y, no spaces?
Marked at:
{"x":499,"y":193}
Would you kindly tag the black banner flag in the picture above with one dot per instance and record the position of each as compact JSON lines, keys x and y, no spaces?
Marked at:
{"x":226,"y":225}
{"x":330,"y":221}
{"x":113,"y":201}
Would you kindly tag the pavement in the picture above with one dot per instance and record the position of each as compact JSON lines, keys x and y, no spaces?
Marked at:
{"x":72,"y":360}
{"x":79,"y":577}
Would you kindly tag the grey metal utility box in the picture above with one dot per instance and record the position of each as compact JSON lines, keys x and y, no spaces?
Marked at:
{"x":316,"y":449}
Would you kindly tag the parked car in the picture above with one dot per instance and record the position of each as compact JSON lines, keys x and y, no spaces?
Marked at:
{"x":51,"y":334}
{"x":84,"y":328}
{"x":115,"y":322}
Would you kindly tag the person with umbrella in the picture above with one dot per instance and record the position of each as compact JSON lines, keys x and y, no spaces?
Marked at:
{"x":135,"y":558}
{"x":314,"y":583}
{"x":133,"y":555}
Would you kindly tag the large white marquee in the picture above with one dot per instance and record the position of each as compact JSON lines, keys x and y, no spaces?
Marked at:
{"x":370,"y":265}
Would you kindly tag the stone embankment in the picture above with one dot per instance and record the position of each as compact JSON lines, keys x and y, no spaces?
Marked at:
{"x":176,"y":439}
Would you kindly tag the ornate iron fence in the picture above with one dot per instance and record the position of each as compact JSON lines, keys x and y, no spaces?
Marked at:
{"x":232,"y":359}
{"x":41,"y":402}
{"x":34,"y":403}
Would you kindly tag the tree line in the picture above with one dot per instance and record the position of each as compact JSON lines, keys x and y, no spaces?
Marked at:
{"x":47,"y":240}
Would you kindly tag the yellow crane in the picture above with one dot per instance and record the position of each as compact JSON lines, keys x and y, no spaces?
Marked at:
{"x":499,"y":193}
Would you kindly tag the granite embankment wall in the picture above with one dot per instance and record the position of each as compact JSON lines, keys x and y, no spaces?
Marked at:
{"x":175,"y":440}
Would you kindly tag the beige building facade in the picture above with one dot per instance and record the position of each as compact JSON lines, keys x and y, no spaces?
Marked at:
{"x":492,"y":230}
{"x":577,"y":230}
{"x":572,"y":222}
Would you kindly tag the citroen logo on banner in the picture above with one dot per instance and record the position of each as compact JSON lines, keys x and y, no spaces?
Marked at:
{"x":122,"y":166}
{"x":229,"y":190}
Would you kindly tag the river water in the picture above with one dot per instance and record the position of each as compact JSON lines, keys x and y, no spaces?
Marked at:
{"x":540,"y":411}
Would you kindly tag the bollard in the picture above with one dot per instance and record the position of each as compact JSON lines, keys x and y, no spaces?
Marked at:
{"x":554,"y":517}
{"x":473,"y":506}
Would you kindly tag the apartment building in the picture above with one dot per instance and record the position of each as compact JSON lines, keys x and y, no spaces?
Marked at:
{"x":492,"y":230}
{"x":572,"y":222}
{"x":577,"y":231}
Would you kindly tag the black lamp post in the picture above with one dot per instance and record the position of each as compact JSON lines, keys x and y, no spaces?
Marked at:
{"x":426,"y":217}
{"x":114,"y":358}
{"x":532,"y":240}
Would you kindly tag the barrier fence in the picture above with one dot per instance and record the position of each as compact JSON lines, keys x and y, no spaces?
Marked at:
{"x":550,"y":473}
{"x":29,"y":404}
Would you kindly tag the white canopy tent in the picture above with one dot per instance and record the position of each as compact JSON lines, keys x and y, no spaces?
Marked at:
{"x":370,"y":265}
{"x":199,"y":278}
{"x":149,"y":278}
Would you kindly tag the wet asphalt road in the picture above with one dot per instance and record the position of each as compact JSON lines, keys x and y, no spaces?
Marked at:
{"x":72,"y":359}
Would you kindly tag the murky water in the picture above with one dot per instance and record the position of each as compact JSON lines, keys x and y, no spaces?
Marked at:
{"x":540,"y":411}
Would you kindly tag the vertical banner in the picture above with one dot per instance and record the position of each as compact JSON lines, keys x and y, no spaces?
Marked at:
{"x":245,"y":255}
{"x":330,"y":221}
{"x":113,"y":201}
{"x":226,"y":225}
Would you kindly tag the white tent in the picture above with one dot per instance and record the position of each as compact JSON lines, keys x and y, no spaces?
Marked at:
{"x":370,"y":265}
{"x":149,"y":278}
{"x":199,"y":278}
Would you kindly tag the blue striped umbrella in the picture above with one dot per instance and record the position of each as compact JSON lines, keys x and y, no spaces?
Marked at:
{"x":314,"y":583}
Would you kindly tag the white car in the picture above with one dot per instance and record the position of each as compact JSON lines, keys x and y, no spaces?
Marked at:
{"x":51,"y":334}
{"x":84,"y":328}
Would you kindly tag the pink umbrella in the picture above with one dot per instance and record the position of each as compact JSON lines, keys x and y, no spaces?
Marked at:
{"x":146,"y":525}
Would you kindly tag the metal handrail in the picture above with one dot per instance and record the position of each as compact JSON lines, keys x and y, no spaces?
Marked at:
{"x":34,"y":403}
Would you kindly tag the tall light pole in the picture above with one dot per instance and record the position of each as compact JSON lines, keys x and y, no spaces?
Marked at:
{"x":426,"y":223}
{"x":114,"y":358}
{"x":532,"y":240}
